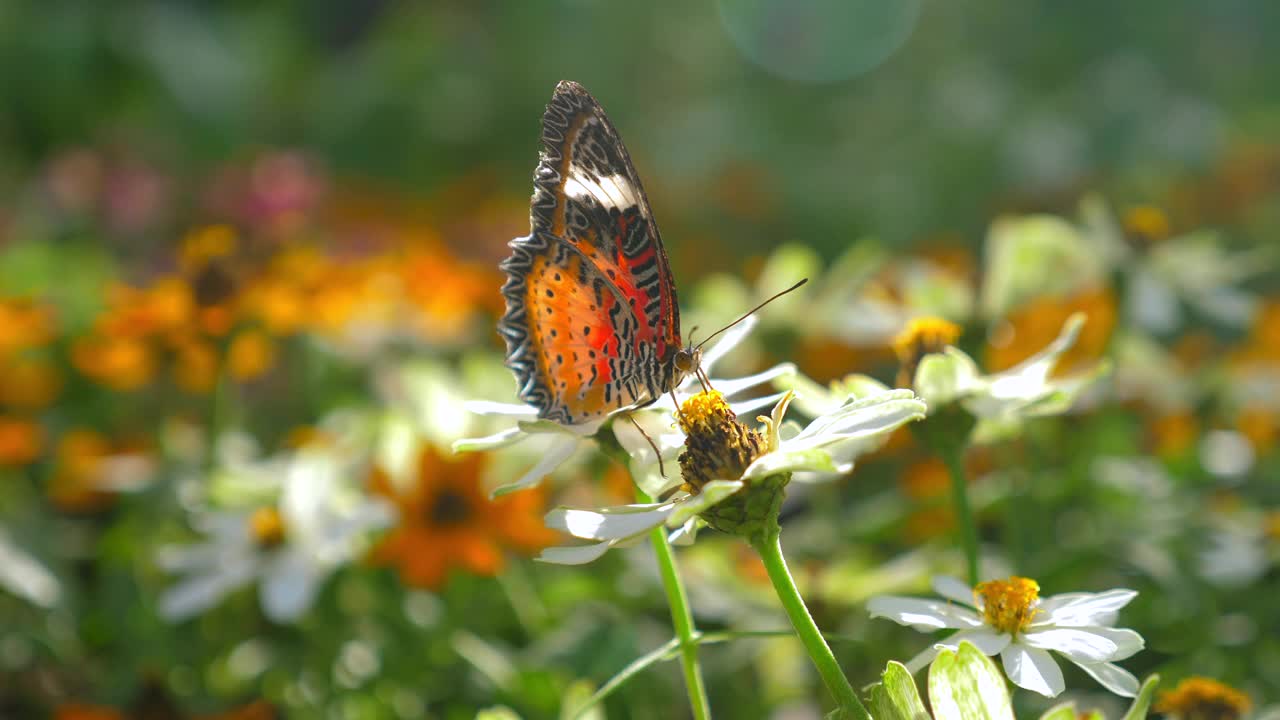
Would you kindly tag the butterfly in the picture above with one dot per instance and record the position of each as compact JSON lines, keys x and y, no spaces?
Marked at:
{"x":592,"y":323}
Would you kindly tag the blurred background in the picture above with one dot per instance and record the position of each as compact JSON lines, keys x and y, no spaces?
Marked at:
{"x":232,"y":231}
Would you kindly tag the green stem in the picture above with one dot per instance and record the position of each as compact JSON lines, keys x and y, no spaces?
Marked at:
{"x":681,"y":619}
{"x":769,"y":546}
{"x":964,"y":516}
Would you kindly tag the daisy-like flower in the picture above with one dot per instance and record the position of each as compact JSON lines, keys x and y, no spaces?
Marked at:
{"x":447,"y":521}
{"x":943,"y":375}
{"x":734,"y":475}
{"x":1010,"y":618}
{"x":1202,"y":698}
{"x":290,"y":547}
{"x":559,"y":442}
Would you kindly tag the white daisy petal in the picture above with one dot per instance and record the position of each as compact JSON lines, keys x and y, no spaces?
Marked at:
{"x":488,"y":407}
{"x":1033,"y":669}
{"x":925,"y":657}
{"x":510,"y":436}
{"x":711,"y":494}
{"x":610,"y":524}
{"x":953,"y":589}
{"x":1080,"y":609}
{"x":1079,"y":644}
{"x":737,"y":385}
{"x":559,"y":451}
{"x":290,"y":582}
{"x":728,"y":341}
{"x":574,"y":554}
{"x":1112,"y":677}
{"x":988,"y":641}
{"x":921,"y":614}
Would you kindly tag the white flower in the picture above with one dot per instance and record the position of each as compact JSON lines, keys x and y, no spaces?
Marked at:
{"x":25,"y":576}
{"x":1008,"y":617}
{"x":556,"y":443}
{"x":1002,"y":399}
{"x":829,"y":444}
{"x":290,"y":548}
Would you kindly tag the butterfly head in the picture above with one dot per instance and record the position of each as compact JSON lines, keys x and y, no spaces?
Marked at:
{"x":687,"y":360}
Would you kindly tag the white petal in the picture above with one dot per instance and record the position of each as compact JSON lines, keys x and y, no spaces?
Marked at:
{"x":925,"y":657}
{"x":1088,"y":644}
{"x":487,"y":407}
{"x":953,"y":589}
{"x":559,"y":451}
{"x":198,"y":593}
{"x":745,"y":408}
{"x":26,"y":576}
{"x":574,"y":554}
{"x":1112,"y":677}
{"x":922,"y":614}
{"x":731,"y":387}
{"x":728,"y":341}
{"x":1079,"y":644}
{"x":610,"y":524}
{"x":1078,"y":609}
{"x":289,"y":585}
{"x":685,"y":534}
{"x":987,"y":640}
{"x":1033,"y":669}
{"x":510,"y":436}
{"x":712,"y":493}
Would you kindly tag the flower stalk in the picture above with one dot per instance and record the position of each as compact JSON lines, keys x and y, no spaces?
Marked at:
{"x":964,"y":514}
{"x":681,"y":619}
{"x":769,"y":547}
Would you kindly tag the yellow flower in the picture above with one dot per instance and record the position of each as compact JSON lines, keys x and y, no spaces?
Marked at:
{"x":447,"y":521}
{"x":281,"y":305}
{"x":922,"y":336}
{"x":204,"y":245}
{"x":1202,"y":698}
{"x":21,"y":441}
{"x":1147,"y":223}
{"x":252,"y":353}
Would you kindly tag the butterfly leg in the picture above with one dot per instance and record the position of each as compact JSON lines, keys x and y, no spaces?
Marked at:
{"x":662,"y":470}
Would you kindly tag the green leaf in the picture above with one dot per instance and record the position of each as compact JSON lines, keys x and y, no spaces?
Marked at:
{"x":1138,"y":710}
{"x":896,"y":697}
{"x":497,"y":712}
{"x":967,"y":686}
{"x":1065,"y":711}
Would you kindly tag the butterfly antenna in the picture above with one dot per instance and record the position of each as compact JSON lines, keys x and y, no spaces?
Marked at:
{"x":662,"y":469}
{"x":751,"y":312}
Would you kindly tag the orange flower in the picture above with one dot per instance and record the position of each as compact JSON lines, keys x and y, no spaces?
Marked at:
{"x":21,"y":441}
{"x":252,"y":353}
{"x":281,"y":305}
{"x":195,"y":366}
{"x":1028,"y":329}
{"x":165,"y":306}
{"x":24,"y":324}
{"x":1173,"y":435}
{"x":205,"y":245}
{"x":91,"y":470}
{"x":29,"y":383}
{"x":120,"y":363}
{"x":447,"y":521}
{"x":1202,"y":698}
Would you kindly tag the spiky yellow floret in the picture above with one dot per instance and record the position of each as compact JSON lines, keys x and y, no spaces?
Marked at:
{"x":1008,"y":605}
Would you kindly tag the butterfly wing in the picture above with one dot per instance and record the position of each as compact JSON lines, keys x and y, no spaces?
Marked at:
{"x":592,"y":317}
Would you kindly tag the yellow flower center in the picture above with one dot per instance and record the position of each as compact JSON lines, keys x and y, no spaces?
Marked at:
{"x":922,"y":336}
{"x":717,"y":446}
{"x":1147,"y":222}
{"x":1008,"y":605}
{"x":267,"y":527}
{"x":1201,"y":698}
